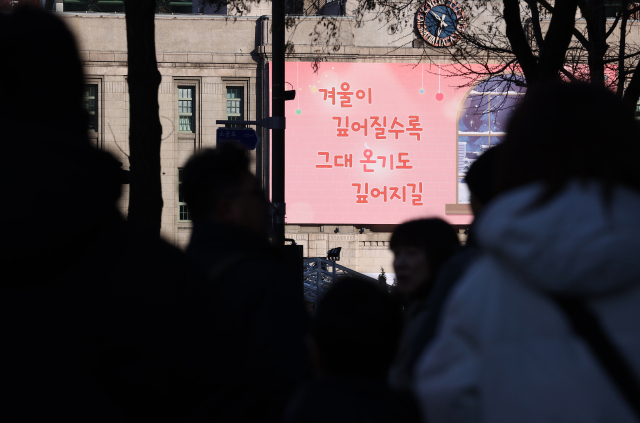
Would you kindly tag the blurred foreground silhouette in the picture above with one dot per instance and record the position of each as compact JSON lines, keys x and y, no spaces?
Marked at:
{"x":261,"y":321}
{"x":420,"y":248}
{"x":355,"y":337}
{"x":558,"y":269}
{"x":444,"y":269}
{"x":98,"y":320}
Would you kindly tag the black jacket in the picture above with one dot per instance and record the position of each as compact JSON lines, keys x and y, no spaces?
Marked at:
{"x":260,"y":321}
{"x":117,"y":336}
{"x":350,"y":400}
{"x":98,"y":321}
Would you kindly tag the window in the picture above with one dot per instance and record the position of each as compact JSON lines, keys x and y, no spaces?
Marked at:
{"x":635,"y":16}
{"x":91,"y":102}
{"x":611,"y":8}
{"x":183,"y":210}
{"x":117,"y":6}
{"x":187,"y":124}
{"x":482,"y":123}
{"x":206,"y":8}
{"x":235,"y":104}
{"x":91,"y":105}
{"x":98,"y":6}
{"x":186,"y":109}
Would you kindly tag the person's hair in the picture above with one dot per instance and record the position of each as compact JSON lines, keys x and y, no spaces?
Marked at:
{"x":570,"y":131}
{"x":212,"y":175}
{"x":480,"y":177}
{"x":435,"y":236}
{"x":357,"y":329}
{"x":37,"y":46}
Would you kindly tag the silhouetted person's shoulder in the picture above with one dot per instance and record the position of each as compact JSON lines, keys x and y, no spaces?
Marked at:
{"x":338,"y":400}
{"x":116,"y":334}
{"x":219,"y":248}
{"x":98,"y":320}
{"x":154,"y":257}
{"x":240,"y":264}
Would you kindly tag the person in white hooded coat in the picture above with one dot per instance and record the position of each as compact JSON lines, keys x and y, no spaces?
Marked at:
{"x":567,"y":225}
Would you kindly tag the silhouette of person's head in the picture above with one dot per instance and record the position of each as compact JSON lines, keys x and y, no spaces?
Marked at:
{"x":41,"y":72}
{"x":357,"y":329}
{"x":62,"y":188}
{"x":481,"y":180}
{"x":420,"y":247}
{"x":218,"y":186}
{"x":562,"y":132}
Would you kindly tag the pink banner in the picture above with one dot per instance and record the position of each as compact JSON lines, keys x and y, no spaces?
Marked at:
{"x":371,"y":143}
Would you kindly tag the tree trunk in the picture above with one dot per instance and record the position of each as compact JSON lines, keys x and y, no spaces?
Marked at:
{"x":594,"y":13}
{"x":552,"y":49}
{"x":519,"y":44}
{"x":622,"y":74}
{"x":557,"y":40}
{"x":145,"y":131}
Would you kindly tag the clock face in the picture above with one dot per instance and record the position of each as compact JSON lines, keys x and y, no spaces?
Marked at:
{"x":441,"y":22}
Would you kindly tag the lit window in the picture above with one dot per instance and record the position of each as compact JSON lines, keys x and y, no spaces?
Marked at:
{"x":91,"y":105}
{"x":483,"y":123}
{"x":235,"y":104}
{"x":117,"y":6}
{"x":186,"y":111}
{"x":611,"y":8}
{"x":183,"y":210}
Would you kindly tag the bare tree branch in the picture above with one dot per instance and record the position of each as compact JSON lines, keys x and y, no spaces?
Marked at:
{"x":568,"y":75}
{"x":576,"y":33}
{"x":512,"y":37}
{"x":557,"y":40}
{"x":625,"y":57}
{"x":621,"y":49}
{"x":613,"y":25}
{"x":594,"y":13}
{"x":535,"y":22}
{"x":518,"y":40}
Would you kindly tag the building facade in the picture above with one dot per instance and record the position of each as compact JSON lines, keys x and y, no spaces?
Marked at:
{"x":215,"y":65}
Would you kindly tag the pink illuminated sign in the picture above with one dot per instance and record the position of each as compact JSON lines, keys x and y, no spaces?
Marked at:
{"x":371,"y":143}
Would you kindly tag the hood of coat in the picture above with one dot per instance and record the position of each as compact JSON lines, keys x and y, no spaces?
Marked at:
{"x":575,"y":244}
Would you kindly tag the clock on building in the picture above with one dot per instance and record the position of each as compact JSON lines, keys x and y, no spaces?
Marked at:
{"x":440,"y":22}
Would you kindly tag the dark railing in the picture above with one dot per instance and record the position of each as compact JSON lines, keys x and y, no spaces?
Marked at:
{"x":319,"y":275}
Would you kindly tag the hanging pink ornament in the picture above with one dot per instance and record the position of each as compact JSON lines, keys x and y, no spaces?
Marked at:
{"x":439,"y":96}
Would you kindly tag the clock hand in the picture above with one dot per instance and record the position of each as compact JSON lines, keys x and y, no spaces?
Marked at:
{"x":439,"y":30}
{"x":443,"y":21}
{"x":437,"y":17}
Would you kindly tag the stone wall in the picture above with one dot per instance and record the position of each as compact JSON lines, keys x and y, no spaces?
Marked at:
{"x":364,"y":253}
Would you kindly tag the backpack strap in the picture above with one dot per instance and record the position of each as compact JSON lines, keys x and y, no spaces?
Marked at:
{"x":586,"y":325}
